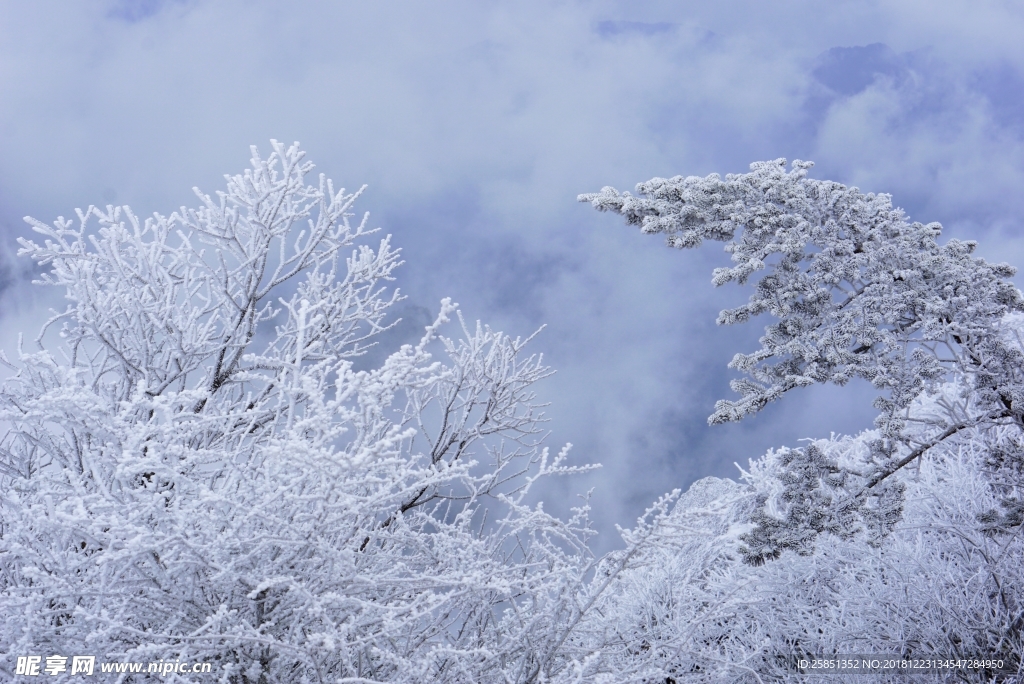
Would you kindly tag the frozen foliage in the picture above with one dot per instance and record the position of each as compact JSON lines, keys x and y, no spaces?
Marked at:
{"x":941,"y":583}
{"x":193,"y":470}
{"x":908,"y":538}
{"x":858,"y":291}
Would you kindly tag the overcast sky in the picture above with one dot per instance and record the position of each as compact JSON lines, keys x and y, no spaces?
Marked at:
{"x":476,"y":124}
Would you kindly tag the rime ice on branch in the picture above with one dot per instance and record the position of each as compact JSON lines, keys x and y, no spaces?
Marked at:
{"x":857,"y":291}
{"x":192,"y":469}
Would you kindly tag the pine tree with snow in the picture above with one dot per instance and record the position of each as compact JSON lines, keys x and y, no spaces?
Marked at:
{"x":858,"y":291}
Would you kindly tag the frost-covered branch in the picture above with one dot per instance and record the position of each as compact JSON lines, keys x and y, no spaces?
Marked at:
{"x":858,"y":291}
{"x":192,"y":469}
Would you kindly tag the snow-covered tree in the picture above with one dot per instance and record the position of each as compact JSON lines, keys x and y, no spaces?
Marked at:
{"x":192,"y":469}
{"x":939,"y":585}
{"x":859,"y":292}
